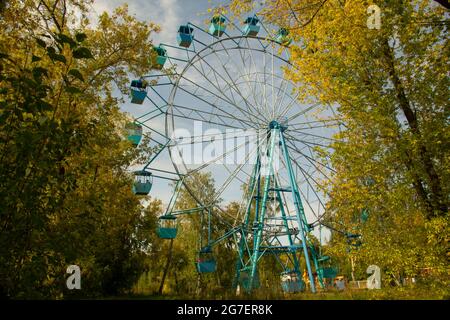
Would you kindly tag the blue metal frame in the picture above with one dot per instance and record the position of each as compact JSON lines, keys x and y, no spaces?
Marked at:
{"x":261,"y":185}
{"x":261,"y":199}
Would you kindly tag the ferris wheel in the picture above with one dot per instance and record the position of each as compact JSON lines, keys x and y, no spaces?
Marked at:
{"x":228,"y":110}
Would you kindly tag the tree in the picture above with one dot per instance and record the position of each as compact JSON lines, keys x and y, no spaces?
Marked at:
{"x":66,"y":196}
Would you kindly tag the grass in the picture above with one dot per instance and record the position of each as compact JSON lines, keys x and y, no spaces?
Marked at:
{"x":422,"y":292}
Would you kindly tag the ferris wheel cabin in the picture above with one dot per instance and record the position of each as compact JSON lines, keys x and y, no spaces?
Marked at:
{"x":245,"y":279}
{"x":143,"y":182}
{"x":217,"y":26}
{"x":185,"y":36}
{"x":326,"y":271}
{"x":161,"y":57}
{"x":283,"y":38}
{"x":167,"y":227}
{"x":134,"y":133}
{"x":205,"y":261}
{"x":251,"y":28}
{"x":291,"y":282}
{"x":138,"y":91}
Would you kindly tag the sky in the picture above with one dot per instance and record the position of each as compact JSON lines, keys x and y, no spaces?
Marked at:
{"x":169,"y":14}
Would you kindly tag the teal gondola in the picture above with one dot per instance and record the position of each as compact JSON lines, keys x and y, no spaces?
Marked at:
{"x":283,"y":38}
{"x":217,"y":26}
{"x":185,"y":36}
{"x":134,"y":133}
{"x":244,"y":280}
{"x":167,"y":227}
{"x":138,"y":91}
{"x":291,"y":282}
{"x":143,"y":181}
{"x":251,"y":28}
{"x":205,"y":261}
{"x":161,"y":57}
{"x":326,"y":271}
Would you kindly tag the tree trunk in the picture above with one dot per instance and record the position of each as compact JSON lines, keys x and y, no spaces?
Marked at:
{"x":166,"y":268}
{"x":199,"y":291}
{"x":436,"y":198}
{"x":418,"y":183}
{"x":177,"y":288}
{"x":352,"y":261}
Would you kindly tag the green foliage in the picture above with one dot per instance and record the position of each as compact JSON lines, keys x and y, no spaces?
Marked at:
{"x":65,"y":191}
{"x":82,"y":53}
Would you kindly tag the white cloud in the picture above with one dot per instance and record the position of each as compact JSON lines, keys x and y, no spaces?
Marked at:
{"x":166,"y":13}
{"x":170,"y":20}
